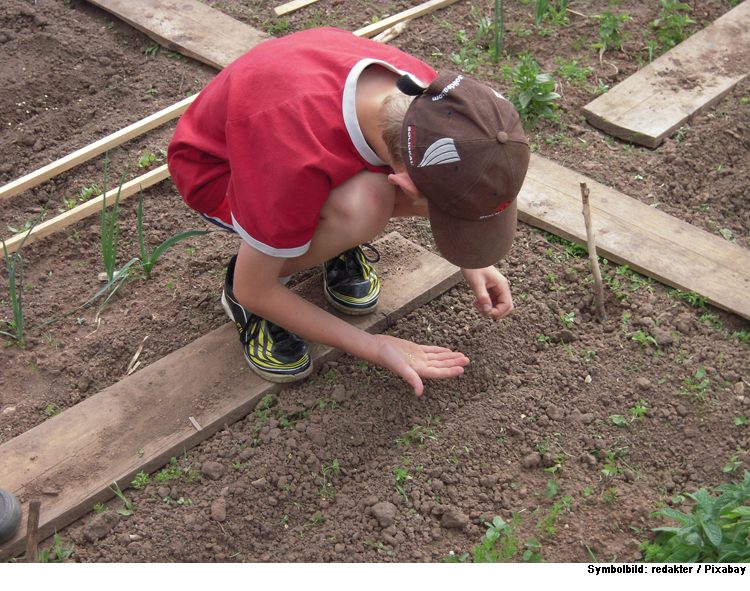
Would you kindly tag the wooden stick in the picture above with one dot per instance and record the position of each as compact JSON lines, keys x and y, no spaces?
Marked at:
{"x":412,"y":13}
{"x":390,"y":34}
{"x":32,"y":532}
{"x":601,"y":313}
{"x":292,"y":6}
{"x":88,"y":152}
{"x":92,"y":206}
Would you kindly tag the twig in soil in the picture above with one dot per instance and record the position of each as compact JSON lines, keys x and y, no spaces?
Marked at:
{"x":32,"y":532}
{"x":591,"y":240}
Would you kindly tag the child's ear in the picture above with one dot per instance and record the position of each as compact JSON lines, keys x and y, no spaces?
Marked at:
{"x":402,"y":179}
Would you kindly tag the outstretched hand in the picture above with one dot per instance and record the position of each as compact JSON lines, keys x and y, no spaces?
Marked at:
{"x":412,"y":362}
{"x":492,"y":291}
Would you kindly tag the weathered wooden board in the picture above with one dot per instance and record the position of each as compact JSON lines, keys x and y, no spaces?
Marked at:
{"x":659,"y":99}
{"x":70,"y":460}
{"x":629,"y":232}
{"x":188,"y":27}
{"x":84,"y":210}
{"x":87,"y":152}
{"x":406,"y":15}
{"x":292,"y":6}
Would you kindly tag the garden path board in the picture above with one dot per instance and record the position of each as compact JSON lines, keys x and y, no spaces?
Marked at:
{"x":630,"y":232}
{"x":138,"y":424}
{"x":188,"y":27}
{"x":693,"y":76}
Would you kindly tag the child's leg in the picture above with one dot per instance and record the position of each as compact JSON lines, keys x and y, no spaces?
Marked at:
{"x":355,"y":212}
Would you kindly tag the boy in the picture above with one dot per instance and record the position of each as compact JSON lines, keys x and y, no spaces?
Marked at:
{"x":306,"y":146}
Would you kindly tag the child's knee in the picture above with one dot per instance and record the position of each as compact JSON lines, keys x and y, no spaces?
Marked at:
{"x":365,"y":200}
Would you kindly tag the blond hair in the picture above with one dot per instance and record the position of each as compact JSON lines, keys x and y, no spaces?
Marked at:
{"x":392,"y":112}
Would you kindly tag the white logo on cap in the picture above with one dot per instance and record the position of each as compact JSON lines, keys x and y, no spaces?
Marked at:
{"x":441,"y":152}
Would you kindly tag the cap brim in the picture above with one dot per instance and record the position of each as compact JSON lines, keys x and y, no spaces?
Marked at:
{"x":474,"y":244}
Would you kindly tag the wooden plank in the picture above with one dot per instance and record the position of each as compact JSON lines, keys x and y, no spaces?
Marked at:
{"x":692,"y":77}
{"x":86,"y":209}
{"x":650,"y":241}
{"x":86,"y":153}
{"x":77,"y":454}
{"x":292,"y":6}
{"x":410,"y":14}
{"x":188,"y":27}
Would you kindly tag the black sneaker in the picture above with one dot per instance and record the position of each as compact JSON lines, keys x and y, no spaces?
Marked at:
{"x":274,"y":353}
{"x":10,"y":515}
{"x":350,"y":282}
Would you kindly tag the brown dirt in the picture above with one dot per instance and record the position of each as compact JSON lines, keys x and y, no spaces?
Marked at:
{"x":536,"y":402}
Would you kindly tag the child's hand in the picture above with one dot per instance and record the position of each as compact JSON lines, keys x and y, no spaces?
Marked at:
{"x":413,"y":362}
{"x":492,"y":291}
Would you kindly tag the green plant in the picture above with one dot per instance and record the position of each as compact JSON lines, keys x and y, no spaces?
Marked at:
{"x":402,"y":475}
{"x":692,"y":298}
{"x":148,"y":259}
{"x":740,"y":420}
{"x":716,"y":530}
{"x":697,"y":385}
{"x":610,"y":35}
{"x":499,"y":544}
{"x":141,"y":480}
{"x":671,"y":23}
{"x":128,"y":509}
{"x":327,"y":491}
{"x":547,"y":525}
{"x":618,"y":420}
{"x":573,"y":72}
{"x":110,"y":236}
{"x":643,"y":339}
{"x":568,"y":318}
{"x":732,"y":465}
{"x":171,"y":472}
{"x":14,"y":265}
{"x":417,"y":435}
{"x":58,"y":553}
{"x":100,"y":508}
{"x":532,"y":93}
{"x":638,"y":410}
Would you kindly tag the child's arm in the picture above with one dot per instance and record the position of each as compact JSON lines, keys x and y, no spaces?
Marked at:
{"x":257,"y":289}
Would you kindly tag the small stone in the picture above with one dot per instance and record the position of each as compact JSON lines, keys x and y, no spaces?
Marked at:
{"x":219,"y":509}
{"x":100,"y":526}
{"x":532,"y":460}
{"x":385,"y":513}
{"x":454,"y":519}
{"x":213,"y":470}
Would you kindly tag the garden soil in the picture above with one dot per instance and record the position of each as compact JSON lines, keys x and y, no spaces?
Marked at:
{"x":571,"y":430}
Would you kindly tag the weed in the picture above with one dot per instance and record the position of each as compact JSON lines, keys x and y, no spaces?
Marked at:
{"x":618,"y":420}
{"x":141,"y":480}
{"x":499,"y":544}
{"x":58,"y":553}
{"x":638,"y":410}
{"x":671,"y":23}
{"x":697,"y":385}
{"x":568,"y":318}
{"x":402,"y":475}
{"x":571,"y":71}
{"x":171,"y":472}
{"x":315,"y":521}
{"x":610,"y":35}
{"x":128,"y":509}
{"x":644,"y":340}
{"x":609,"y":496}
{"x":327,"y":491}
{"x":148,"y":259}
{"x":547,"y":525}
{"x":100,"y":508}
{"x":732,"y":465}
{"x":14,"y":265}
{"x":716,"y":530}
{"x":416,"y":435}
{"x":532,"y":93}
{"x":692,"y":298}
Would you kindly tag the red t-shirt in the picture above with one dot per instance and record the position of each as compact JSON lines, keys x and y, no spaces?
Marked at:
{"x":276,"y":130}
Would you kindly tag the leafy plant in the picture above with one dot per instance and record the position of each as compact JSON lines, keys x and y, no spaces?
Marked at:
{"x":128,"y":509}
{"x":417,"y":435}
{"x":499,"y":544}
{"x":148,"y":259}
{"x":610,"y":35}
{"x":327,"y":491}
{"x":732,"y":465}
{"x":532,"y":93}
{"x":671,"y":23}
{"x":141,"y":480}
{"x":58,"y":553}
{"x":716,"y":530}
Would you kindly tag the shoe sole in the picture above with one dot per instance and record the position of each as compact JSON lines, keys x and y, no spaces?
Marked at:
{"x":10,"y":515}
{"x":271,"y":377}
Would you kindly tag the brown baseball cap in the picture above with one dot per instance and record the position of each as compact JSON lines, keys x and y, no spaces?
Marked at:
{"x":464,"y":148}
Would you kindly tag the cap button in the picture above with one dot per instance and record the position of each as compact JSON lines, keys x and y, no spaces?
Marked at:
{"x":502,"y":137}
